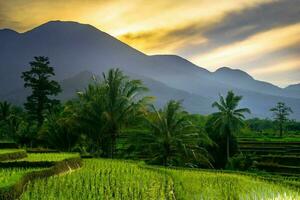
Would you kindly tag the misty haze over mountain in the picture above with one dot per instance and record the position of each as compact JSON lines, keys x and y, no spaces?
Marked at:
{"x":78,"y":51}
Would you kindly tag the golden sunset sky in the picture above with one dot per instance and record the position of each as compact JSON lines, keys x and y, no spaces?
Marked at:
{"x":261,"y":37}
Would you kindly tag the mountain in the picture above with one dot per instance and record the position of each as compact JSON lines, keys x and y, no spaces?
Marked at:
{"x":77,"y":49}
{"x":245,"y":81}
{"x":74,"y":84}
{"x":295,"y":87}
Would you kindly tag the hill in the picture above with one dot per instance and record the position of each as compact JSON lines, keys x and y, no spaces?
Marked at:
{"x":74,"y":48}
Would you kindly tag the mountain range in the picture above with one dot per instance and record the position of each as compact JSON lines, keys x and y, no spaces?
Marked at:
{"x":79,"y":51}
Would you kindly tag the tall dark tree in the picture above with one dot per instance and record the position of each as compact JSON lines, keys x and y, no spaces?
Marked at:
{"x":281,"y":113}
{"x":229,"y":119}
{"x":38,"y":78}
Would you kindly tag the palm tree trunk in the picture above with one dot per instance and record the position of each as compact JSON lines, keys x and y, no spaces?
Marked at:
{"x":280,"y":129}
{"x":227,"y":149}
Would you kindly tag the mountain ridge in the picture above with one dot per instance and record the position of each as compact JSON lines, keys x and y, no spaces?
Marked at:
{"x":73,"y":47}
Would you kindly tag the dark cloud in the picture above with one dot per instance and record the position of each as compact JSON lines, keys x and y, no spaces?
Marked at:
{"x":237,"y":26}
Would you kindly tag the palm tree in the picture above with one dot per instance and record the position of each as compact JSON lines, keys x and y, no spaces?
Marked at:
{"x":59,"y":129}
{"x":171,"y":138}
{"x":5,"y":109}
{"x":123,"y":100}
{"x":109,"y":105}
{"x":229,"y":119}
{"x":281,"y":113}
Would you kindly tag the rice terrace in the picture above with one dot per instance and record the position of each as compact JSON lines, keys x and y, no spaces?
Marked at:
{"x":149,"y":100}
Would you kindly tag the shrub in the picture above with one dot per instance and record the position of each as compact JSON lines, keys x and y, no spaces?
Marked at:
{"x":240,"y":162}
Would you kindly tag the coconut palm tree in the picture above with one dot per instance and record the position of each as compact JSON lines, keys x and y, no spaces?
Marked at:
{"x":109,"y":105}
{"x":229,"y":119}
{"x":171,"y":138}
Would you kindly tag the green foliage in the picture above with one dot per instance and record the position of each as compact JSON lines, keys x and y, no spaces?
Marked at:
{"x":281,"y":113}
{"x":170,"y":138}
{"x":27,"y":133}
{"x":107,"y":107}
{"x":5,"y":109}
{"x":229,"y":119}
{"x":38,"y":79}
{"x":218,"y":151}
{"x":10,"y":120}
{"x":59,"y":130}
{"x":240,"y":162}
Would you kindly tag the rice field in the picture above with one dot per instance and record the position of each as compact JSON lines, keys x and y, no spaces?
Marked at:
{"x":113,"y":179}
{"x":12,"y":175}
{"x":203,"y":185}
{"x":35,"y":157}
{"x":5,"y":151}
{"x":103,"y":179}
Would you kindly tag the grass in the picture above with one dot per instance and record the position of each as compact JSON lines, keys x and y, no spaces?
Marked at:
{"x":113,"y":179}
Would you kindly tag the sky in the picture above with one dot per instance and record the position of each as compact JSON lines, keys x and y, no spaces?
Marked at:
{"x":261,"y":37}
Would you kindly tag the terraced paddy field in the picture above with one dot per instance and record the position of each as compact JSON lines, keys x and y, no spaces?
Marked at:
{"x":51,"y":157}
{"x":5,"y":151}
{"x":112,"y":179}
{"x":17,"y":168}
{"x":127,"y":180}
{"x":12,"y":175}
{"x":280,"y":157}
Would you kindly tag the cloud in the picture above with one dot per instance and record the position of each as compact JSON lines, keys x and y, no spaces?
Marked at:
{"x":247,"y":34}
{"x":251,"y":48}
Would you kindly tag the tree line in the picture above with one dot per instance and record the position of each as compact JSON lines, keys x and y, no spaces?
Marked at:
{"x":114,"y":118}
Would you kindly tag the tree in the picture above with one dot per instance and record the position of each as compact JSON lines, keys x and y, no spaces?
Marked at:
{"x":108,"y":106}
{"x":5,"y":110}
{"x":38,"y":79}
{"x":281,"y":113}
{"x":229,"y":119}
{"x":59,"y":129}
{"x":171,"y":138}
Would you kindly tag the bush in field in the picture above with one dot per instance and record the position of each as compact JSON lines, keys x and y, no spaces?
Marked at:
{"x":240,"y":162}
